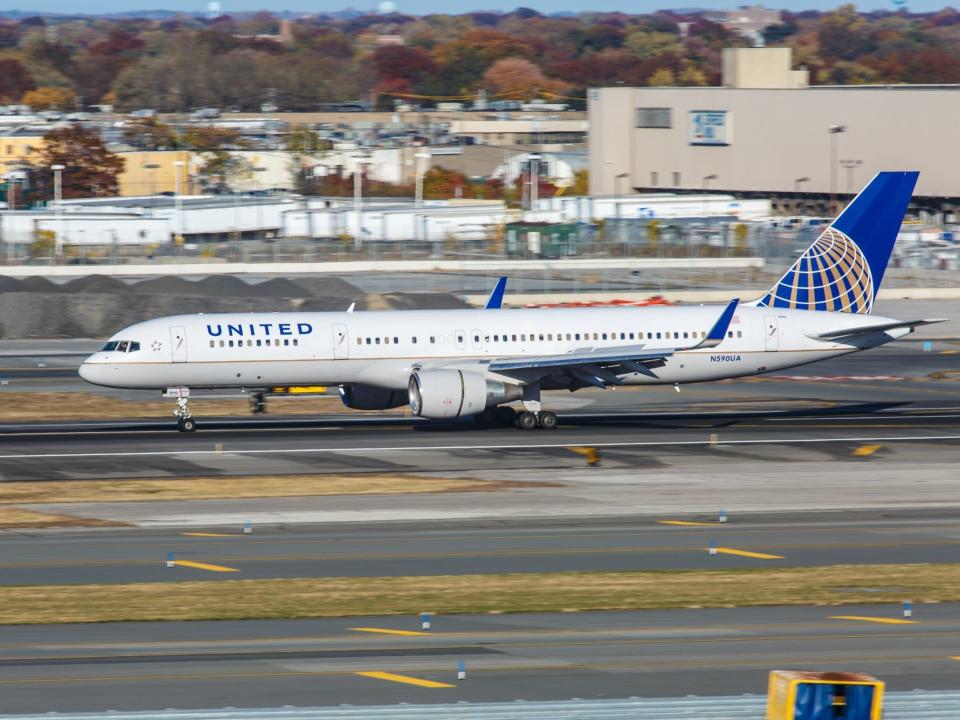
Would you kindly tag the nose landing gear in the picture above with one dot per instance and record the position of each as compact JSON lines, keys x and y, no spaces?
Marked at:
{"x":185,"y":421}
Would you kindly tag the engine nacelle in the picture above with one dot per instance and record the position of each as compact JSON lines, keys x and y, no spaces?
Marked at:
{"x":454,"y":393}
{"x":371,"y":397}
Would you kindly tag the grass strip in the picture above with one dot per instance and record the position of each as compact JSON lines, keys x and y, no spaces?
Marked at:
{"x":528,"y":592}
{"x":236,"y":487}
{"x":14,"y":517}
{"x":27,"y":406}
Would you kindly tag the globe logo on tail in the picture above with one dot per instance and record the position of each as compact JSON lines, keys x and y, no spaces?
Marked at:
{"x":832,"y":275}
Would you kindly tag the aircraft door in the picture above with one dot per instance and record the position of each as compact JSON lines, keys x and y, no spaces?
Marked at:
{"x":178,"y":344}
{"x":771,"y":333}
{"x":341,"y":342}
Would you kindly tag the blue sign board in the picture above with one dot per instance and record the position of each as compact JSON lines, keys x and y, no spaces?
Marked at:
{"x":710,"y":127}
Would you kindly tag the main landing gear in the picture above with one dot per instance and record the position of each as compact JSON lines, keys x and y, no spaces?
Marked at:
{"x":530,"y":420}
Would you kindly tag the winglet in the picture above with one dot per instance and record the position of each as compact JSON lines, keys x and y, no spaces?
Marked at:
{"x":496,"y":297}
{"x":719,"y":330}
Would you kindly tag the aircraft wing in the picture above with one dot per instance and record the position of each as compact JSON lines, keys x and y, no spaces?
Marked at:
{"x":602,"y":367}
{"x":856,"y":332}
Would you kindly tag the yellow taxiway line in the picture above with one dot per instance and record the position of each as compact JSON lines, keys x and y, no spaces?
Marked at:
{"x":406,"y":679}
{"x":747,"y":553}
{"x":867,"y":618}
{"x":688,"y":523}
{"x":204,"y":534}
{"x":204,"y":566}
{"x":388,"y":631}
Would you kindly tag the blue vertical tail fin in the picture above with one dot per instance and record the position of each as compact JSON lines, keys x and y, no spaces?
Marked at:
{"x":842,"y":270}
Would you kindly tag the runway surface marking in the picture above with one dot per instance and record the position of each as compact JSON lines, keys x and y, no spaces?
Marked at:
{"x":867,"y":618}
{"x":406,"y":679}
{"x":205,"y":566}
{"x":209,"y":535}
{"x":501,"y":446}
{"x":866,"y":450}
{"x":748,"y":553}
{"x":388,"y":631}
{"x":689,"y":523}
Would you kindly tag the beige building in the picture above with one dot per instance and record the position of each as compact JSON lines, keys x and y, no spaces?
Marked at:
{"x":787,"y":141}
{"x":149,"y":172}
{"x":20,"y":146}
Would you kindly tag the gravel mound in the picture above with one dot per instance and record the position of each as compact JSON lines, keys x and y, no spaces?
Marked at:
{"x":35,"y":283}
{"x":425,"y":301}
{"x":96,"y":284}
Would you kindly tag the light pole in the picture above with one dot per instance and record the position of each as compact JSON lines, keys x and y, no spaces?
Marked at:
{"x":58,"y":207}
{"x":534,"y":165}
{"x":616,"y":184}
{"x":834,"y":130}
{"x":149,"y":168}
{"x":850,"y":166}
{"x":422,"y":158}
{"x":178,"y":200}
{"x":257,"y":199}
{"x":358,"y":200}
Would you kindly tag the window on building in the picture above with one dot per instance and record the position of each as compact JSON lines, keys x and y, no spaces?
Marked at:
{"x":676,"y":179}
{"x":655,"y":118}
{"x":654,"y":179}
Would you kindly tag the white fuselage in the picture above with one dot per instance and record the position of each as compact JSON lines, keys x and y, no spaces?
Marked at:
{"x":382,"y":349}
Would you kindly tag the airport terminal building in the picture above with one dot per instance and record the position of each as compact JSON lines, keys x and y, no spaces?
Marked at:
{"x":766,"y":131}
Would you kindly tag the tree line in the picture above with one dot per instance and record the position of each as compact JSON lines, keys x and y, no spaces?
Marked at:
{"x":244,"y":62}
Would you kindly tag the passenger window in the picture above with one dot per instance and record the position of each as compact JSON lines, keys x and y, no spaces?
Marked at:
{"x":286,"y":342}
{"x":211,"y":343}
{"x":658,"y":336}
{"x":541,"y":337}
{"x":249,"y":343}
{"x":523,"y":338}
{"x":377,"y":341}
{"x":413,"y":340}
{"x":231,"y":343}
{"x":739,"y":333}
{"x":577,"y":336}
{"x":676,"y":336}
{"x":296,"y":341}
{"x":729,"y":333}
{"x":222,"y":343}
{"x":549,"y":336}
{"x":259,"y":342}
{"x":386,"y":341}
{"x":631,"y":336}
{"x":623,"y":336}
{"x":604,"y":336}
{"x":686,"y":335}
{"x":122,"y":347}
{"x":359,"y":341}
{"x":596,"y":336}
{"x":396,"y":341}
{"x":568,"y":336}
{"x":432,"y":339}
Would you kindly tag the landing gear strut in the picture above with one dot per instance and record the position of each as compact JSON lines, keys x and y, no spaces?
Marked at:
{"x":258,"y":404}
{"x":185,"y":421}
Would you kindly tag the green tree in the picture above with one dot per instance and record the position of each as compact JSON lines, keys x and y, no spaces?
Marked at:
{"x":661,"y":78}
{"x":646,"y":45}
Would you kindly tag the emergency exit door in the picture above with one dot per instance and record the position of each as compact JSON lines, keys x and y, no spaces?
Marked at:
{"x":341,"y":342}
{"x":178,"y":344}
{"x":772,"y":326}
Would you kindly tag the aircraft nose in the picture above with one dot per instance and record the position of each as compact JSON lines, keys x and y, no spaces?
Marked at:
{"x":91,"y":372}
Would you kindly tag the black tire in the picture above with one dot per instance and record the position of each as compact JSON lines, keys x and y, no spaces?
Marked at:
{"x":187,"y":425}
{"x":527,"y":421}
{"x":505,"y":416}
{"x":548,"y":420}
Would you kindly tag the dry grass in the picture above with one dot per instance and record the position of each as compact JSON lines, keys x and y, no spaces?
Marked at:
{"x":234,"y":487}
{"x":543,"y":592}
{"x":14,"y":517}
{"x":90,"y":406}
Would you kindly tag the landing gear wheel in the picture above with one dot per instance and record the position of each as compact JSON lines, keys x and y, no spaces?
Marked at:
{"x":186,"y":425}
{"x":526,"y":421}
{"x":548,"y":420}
{"x":505,"y":416}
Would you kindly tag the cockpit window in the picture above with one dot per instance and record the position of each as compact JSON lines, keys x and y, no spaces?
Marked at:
{"x":122,"y":347}
{"x":109,"y":347}
{"x":134,"y":346}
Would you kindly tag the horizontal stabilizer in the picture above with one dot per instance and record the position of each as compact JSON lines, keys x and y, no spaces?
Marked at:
{"x":855,"y":332}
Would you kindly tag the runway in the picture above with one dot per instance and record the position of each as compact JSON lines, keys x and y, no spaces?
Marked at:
{"x":526,"y":657}
{"x":572,"y":544}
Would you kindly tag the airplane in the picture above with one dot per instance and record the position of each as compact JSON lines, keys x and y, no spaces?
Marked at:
{"x":476,"y":362}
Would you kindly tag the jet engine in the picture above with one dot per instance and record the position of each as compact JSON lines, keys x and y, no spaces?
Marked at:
{"x":371,"y":397}
{"x":455,"y":393}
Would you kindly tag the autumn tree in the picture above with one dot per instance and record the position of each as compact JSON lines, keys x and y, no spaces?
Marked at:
{"x":151,"y":134}
{"x":90,"y":170}
{"x":221,"y":168}
{"x":50,"y":98}
{"x":15,"y":80}
{"x":521,"y":79}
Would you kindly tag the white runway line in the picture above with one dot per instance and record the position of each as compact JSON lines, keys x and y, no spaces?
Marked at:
{"x":536,"y":446}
